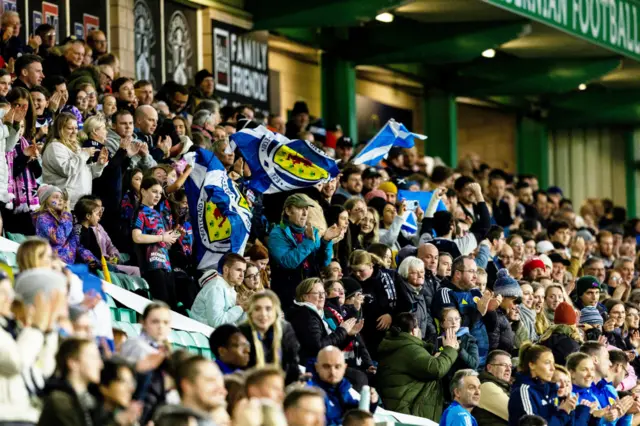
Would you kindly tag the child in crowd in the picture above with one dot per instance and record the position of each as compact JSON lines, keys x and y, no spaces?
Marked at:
{"x":153,"y":240}
{"x":54,"y":223}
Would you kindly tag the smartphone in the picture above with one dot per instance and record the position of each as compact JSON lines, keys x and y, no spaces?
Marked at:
{"x":412,"y":205}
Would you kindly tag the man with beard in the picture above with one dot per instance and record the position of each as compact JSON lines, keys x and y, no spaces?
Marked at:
{"x":495,"y":193}
{"x":350,"y":185}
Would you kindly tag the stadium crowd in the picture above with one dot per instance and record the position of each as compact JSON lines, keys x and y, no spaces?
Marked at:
{"x":505,"y":304}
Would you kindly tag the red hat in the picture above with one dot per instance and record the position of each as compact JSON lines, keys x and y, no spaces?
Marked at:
{"x":565,"y":314}
{"x":532,"y":264}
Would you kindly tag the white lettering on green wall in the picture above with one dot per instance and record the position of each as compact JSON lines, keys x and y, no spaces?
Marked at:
{"x":609,"y":23}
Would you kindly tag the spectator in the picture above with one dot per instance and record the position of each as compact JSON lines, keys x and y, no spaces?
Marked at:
{"x":494,"y":390}
{"x":200,"y":385}
{"x":468,"y":347}
{"x":528,"y":312}
{"x":588,"y":294}
{"x":304,"y":406}
{"x":299,"y":120}
{"x":329,"y":376}
{"x":297,"y":250}
{"x":408,"y":375}
{"x":125,"y":94}
{"x":472,"y":305}
{"x":266,"y":382}
{"x":358,"y":418}
{"x":272,"y":339}
{"x":97,"y":41}
{"x":153,"y":240}
{"x":307,"y":318}
{"x":65,"y":164}
{"x":378,"y":285}
{"x":563,"y":337}
{"x":531,"y":393}
{"x":13,"y":45}
{"x":28,"y":69}
{"x":70,"y":398}
{"x":350,"y":185}
{"x":216,"y":302}
{"x":144,"y":92}
{"x":230,"y":348}
{"x":412,"y":296}
{"x":71,"y":60}
{"x":117,"y":384}
{"x":503,"y":323}
{"x":465,"y":389}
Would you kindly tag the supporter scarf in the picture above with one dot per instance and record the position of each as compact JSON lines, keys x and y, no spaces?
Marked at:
{"x":23,"y":187}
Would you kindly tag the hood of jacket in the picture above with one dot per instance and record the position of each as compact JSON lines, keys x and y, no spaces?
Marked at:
{"x":392,"y":342}
{"x":564,"y":330}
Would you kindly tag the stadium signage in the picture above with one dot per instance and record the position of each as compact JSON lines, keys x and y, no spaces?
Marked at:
{"x":611,"y":24}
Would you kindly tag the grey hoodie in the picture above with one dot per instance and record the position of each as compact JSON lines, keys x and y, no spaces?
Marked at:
{"x":113,"y":143}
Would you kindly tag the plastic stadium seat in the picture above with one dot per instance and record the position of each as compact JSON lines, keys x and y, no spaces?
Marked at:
{"x":128,"y":315}
{"x":176,"y":340}
{"x":202,"y":342}
{"x":127,"y":328}
{"x":115,"y":315}
{"x":191,"y":344}
{"x":18,"y":238}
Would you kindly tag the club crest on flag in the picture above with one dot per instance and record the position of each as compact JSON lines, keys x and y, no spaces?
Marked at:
{"x":218,"y":227}
{"x":278,"y":164}
{"x":294,"y":163}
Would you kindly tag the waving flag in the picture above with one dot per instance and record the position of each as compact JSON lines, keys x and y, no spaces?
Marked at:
{"x":392,"y":134}
{"x":220,"y":214}
{"x":410,"y":225}
{"x":278,"y":164}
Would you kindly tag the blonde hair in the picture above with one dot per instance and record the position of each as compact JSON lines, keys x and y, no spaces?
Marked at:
{"x":305,"y":287}
{"x":92,"y":124}
{"x":56,"y":135}
{"x":277,"y":327}
{"x":31,"y":252}
{"x":363,"y":257}
{"x":372,"y":237}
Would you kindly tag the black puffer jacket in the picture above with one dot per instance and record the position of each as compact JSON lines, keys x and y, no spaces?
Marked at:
{"x":380,"y":299}
{"x":561,"y":339}
{"x":501,"y":335}
{"x":313,"y":333}
{"x":416,"y":303}
{"x":289,"y":348}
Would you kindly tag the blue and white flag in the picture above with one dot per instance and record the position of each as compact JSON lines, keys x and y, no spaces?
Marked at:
{"x":220,"y":214}
{"x":392,"y":134}
{"x":410,"y":224}
{"x":422,"y":197}
{"x":278,"y":164}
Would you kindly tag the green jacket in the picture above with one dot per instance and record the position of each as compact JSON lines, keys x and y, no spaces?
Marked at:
{"x":408,"y":377}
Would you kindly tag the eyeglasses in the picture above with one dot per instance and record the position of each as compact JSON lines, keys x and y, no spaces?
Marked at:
{"x":107,"y":76}
{"x":504,"y":365}
{"x":251,"y":277}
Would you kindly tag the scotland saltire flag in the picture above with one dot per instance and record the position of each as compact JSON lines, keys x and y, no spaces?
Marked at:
{"x":410,"y":224}
{"x":392,"y":134}
{"x":220,"y":214}
{"x":278,"y":164}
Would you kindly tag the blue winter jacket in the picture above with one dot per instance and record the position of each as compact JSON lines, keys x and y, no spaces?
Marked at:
{"x":465,"y":302}
{"x":533,"y":396}
{"x":288,"y":266}
{"x":456,"y":415}
{"x":338,"y":399}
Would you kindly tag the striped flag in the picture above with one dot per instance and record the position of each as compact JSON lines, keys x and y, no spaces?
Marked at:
{"x":392,"y":134}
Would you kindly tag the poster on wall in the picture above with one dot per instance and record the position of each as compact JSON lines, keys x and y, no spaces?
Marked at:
{"x":146,"y":22}
{"x":241,"y":65}
{"x":87,"y":16}
{"x":181,"y":42}
{"x":50,"y":12}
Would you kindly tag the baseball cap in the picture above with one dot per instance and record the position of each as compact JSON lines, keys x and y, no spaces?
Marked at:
{"x":344,"y":142}
{"x":370,"y":172}
{"x":558,"y":258}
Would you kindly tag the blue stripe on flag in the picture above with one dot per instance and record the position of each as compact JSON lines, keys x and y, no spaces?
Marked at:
{"x":392,"y":134}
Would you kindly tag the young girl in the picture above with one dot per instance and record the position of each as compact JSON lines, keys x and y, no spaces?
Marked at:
{"x":251,"y":284}
{"x":55,"y":224}
{"x":369,"y":228}
{"x":130,"y":203}
{"x":44,"y":118}
{"x":25,"y":169}
{"x":153,"y":240}
{"x":468,"y":355}
{"x":182,"y":250}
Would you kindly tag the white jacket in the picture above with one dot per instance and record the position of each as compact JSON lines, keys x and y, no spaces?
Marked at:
{"x":8,"y":139}
{"x":30,"y":351}
{"x":69,"y":170}
{"x":215,"y":304}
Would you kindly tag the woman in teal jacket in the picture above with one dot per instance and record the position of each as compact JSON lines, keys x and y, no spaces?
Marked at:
{"x":408,"y":375}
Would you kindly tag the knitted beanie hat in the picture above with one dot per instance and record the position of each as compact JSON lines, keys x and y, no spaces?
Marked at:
{"x":375,"y":193}
{"x":33,"y":281}
{"x":531,"y":265}
{"x":586,"y":283}
{"x":46,"y":191}
{"x":590,"y":315}
{"x":565,"y":314}
{"x":351,"y":286}
{"x":506,"y":286}
{"x":388,"y":186}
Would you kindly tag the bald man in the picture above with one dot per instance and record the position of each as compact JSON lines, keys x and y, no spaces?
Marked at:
{"x":329,"y":376}
{"x":429,"y":255}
